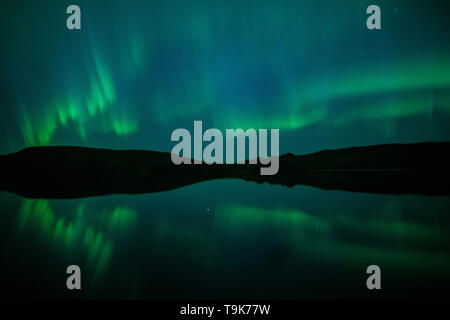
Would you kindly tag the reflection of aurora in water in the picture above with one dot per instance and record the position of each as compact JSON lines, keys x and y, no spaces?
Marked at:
{"x":77,"y":234}
{"x":325,"y":239}
{"x":83,"y":229}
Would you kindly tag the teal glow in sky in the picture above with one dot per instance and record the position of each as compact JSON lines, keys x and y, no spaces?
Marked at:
{"x":140,"y":69}
{"x":137,"y":70}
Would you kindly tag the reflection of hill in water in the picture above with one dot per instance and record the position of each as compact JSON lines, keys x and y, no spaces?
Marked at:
{"x":71,"y":172}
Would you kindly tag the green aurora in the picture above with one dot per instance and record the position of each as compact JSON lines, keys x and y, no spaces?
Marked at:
{"x":138,"y":69}
{"x":311,"y":70}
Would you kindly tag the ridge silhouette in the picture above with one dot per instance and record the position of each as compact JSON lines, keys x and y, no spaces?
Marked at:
{"x":74,"y":172}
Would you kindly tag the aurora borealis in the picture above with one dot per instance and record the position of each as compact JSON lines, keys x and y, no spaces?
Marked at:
{"x":137,"y":70}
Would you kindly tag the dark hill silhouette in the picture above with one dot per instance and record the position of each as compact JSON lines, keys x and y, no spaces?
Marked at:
{"x":72,"y":172}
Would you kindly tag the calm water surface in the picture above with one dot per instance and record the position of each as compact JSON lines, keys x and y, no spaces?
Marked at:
{"x":227,"y":239}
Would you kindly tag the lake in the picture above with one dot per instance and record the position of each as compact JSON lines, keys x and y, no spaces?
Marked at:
{"x":227,"y":239}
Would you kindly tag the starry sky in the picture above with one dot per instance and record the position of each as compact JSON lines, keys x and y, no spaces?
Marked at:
{"x":137,"y":70}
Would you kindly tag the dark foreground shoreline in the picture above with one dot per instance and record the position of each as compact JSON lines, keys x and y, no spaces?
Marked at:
{"x":74,"y":172}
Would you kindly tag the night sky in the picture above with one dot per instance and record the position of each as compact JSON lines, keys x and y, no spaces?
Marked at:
{"x":137,"y":70}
